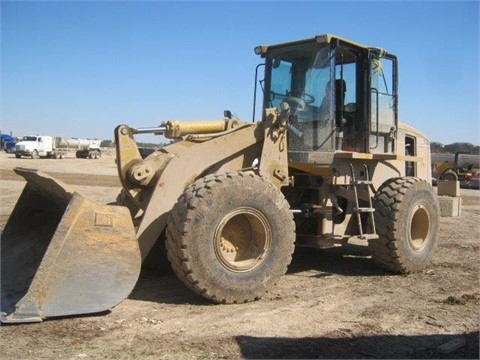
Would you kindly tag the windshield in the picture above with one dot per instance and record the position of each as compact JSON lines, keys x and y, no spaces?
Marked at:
{"x":301,"y":76}
{"x":304,"y":77}
{"x":29,"y":138}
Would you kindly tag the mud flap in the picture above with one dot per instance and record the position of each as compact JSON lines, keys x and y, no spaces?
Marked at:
{"x":64,"y":254}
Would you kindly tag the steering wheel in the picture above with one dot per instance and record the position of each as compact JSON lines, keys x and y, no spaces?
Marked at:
{"x":299,"y":102}
{"x":309,"y":99}
{"x":295,"y":103}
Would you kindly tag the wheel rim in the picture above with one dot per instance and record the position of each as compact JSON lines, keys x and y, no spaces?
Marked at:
{"x":419,"y":227}
{"x":242,"y":239}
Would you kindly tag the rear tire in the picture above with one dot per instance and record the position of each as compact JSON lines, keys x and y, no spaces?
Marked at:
{"x":449,"y":175}
{"x":230,"y":237}
{"x":407,"y":217}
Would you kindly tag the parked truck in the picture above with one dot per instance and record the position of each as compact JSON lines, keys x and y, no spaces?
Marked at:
{"x":7,"y":143}
{"x":37,"y":146}
{"x":460,"y":166}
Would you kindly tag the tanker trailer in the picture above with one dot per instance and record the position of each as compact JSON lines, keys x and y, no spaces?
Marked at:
{"x":84,"y":148}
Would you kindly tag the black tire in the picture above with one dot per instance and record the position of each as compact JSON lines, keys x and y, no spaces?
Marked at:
{"x":18,"y":156}
{"x":407,"y":217}
{"x":449,"y":175}
{"x":35,"y":154}
{"x":230,"y":237}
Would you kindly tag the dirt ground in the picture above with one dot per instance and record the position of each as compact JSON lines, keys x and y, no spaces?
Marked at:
{"x":331,"y":304}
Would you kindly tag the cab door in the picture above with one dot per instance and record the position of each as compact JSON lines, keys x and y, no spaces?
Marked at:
{"x":40,"y":146}
{"x":383,"y":102}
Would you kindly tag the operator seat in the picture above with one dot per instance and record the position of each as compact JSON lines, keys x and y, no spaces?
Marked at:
{"x":340,"y":89}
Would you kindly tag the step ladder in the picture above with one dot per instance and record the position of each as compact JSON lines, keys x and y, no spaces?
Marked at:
{"x":365,"y":184}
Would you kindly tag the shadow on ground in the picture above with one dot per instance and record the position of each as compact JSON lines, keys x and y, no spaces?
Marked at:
{"x":364,"y":347}
{"x":158,"y":283}
{"x":347,"y":260}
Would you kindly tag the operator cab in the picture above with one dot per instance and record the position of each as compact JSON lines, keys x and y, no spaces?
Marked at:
{"x":342,"y":96}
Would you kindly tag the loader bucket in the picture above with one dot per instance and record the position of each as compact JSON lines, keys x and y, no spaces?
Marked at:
{"x":64,"y":254}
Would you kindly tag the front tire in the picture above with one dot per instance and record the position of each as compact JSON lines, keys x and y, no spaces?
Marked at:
{"x":35,"y":154}
{"x":230,"y":237}
{"x":407,"y":217}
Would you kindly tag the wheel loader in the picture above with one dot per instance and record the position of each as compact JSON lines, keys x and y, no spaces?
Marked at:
{"x":327,"y":162}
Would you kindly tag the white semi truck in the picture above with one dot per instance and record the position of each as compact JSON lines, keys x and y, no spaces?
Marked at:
{"x":37,"y":146}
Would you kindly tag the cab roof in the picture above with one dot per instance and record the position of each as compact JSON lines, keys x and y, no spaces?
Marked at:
{"x":320,"y":39}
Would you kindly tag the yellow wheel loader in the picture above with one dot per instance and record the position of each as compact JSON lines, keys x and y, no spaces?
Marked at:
{"x":327,"y":162}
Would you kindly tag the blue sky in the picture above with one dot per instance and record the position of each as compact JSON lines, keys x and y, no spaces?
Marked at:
{"x":80,"y":68}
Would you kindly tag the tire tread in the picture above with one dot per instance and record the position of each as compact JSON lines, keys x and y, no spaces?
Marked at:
{"x":192,"y":203}
{"x":388,"y":202}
